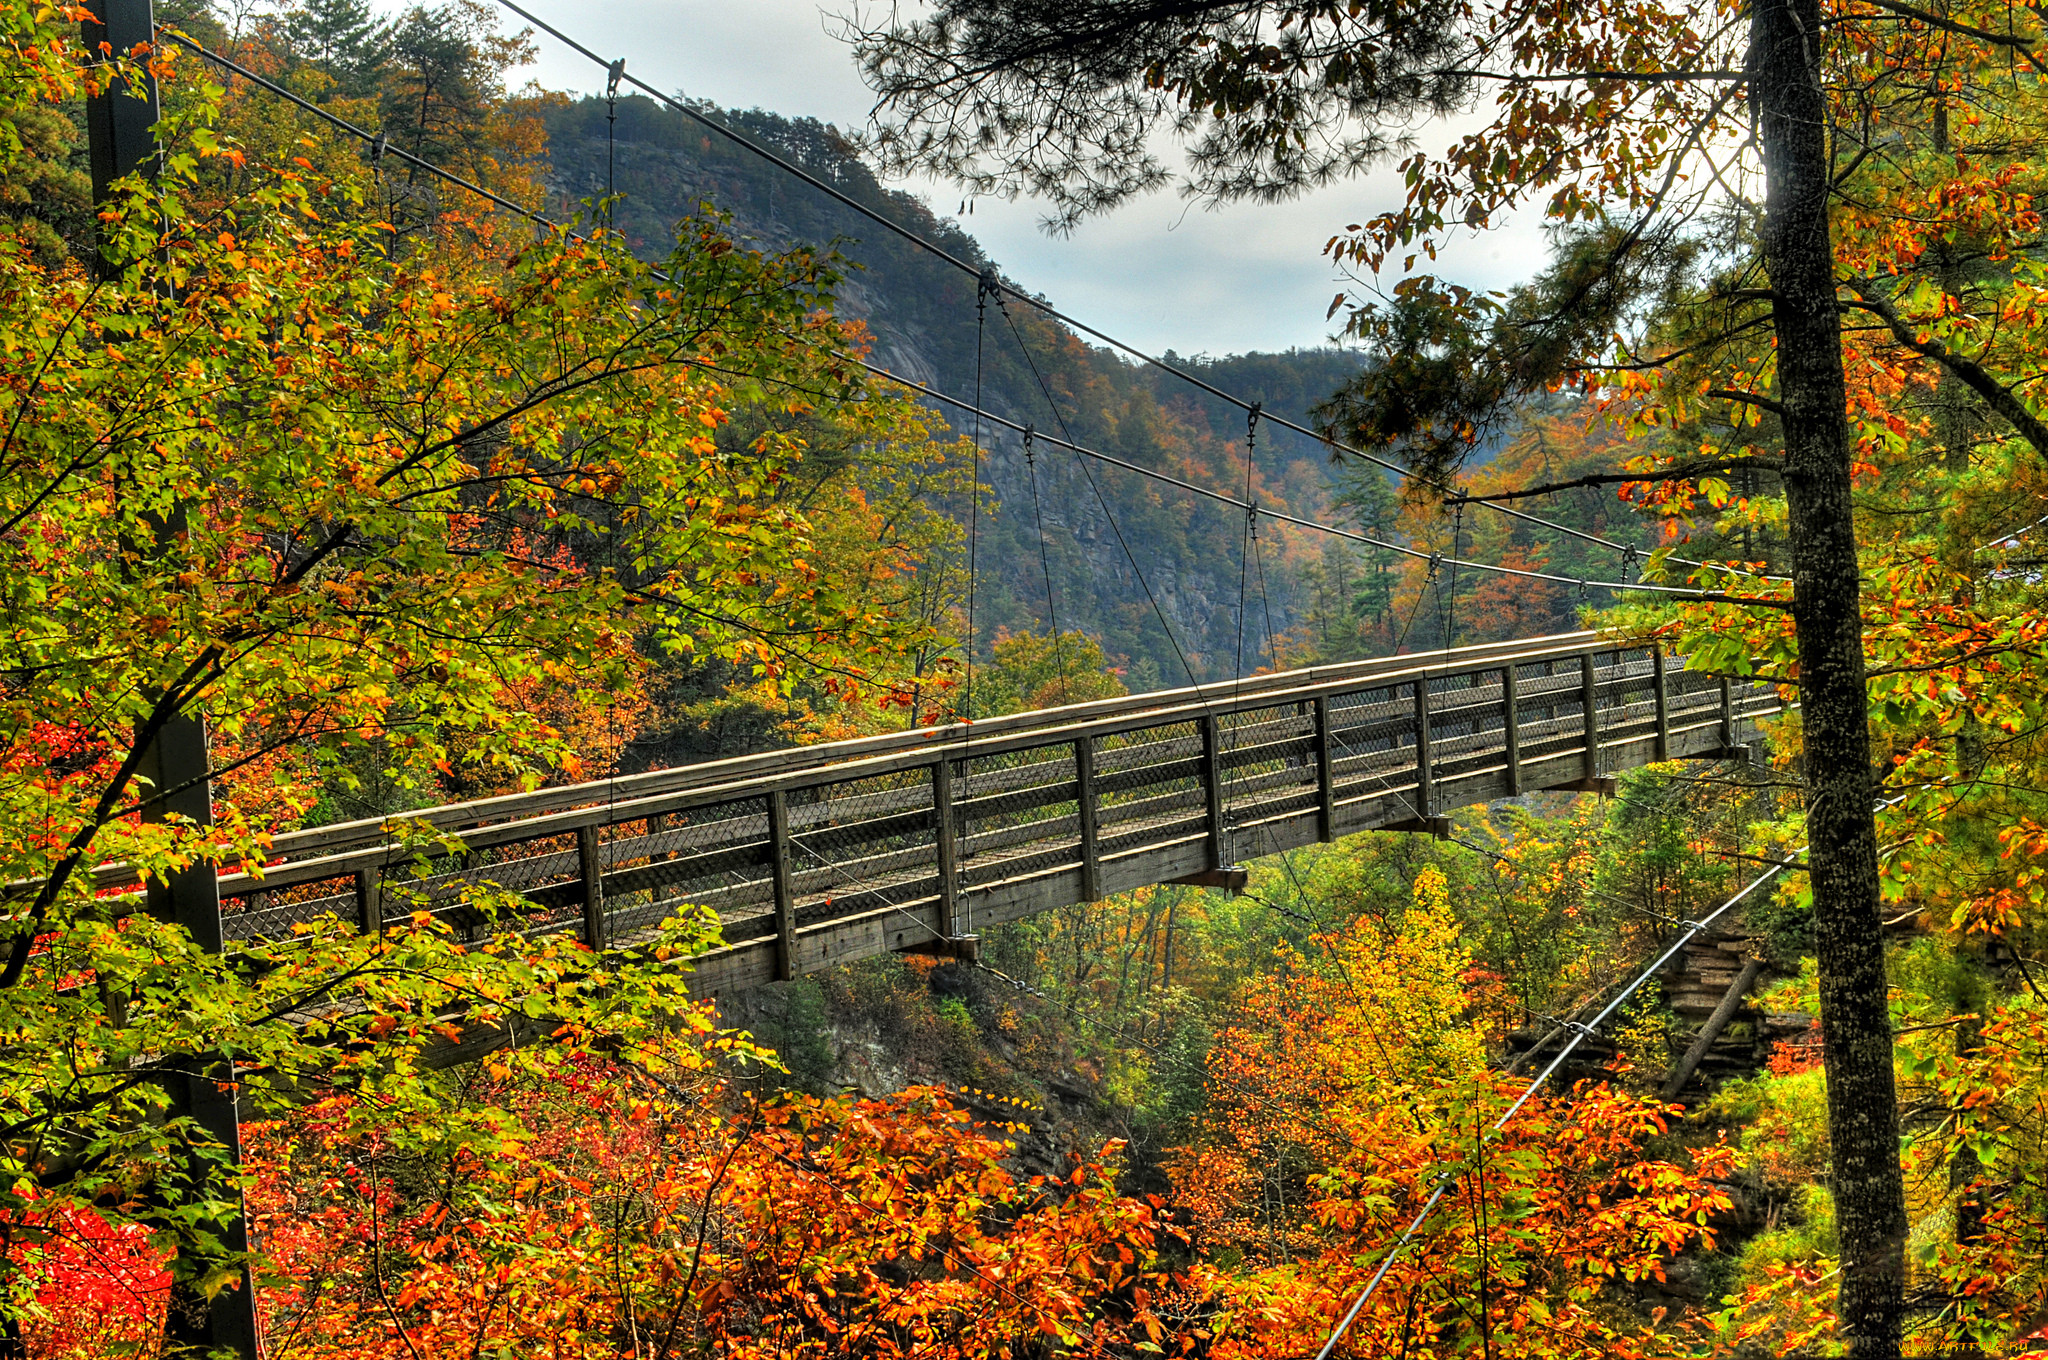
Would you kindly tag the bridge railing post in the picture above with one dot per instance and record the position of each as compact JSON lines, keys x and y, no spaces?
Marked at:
{"x":590,"y":864}
{"x":1727,"y":714}
{"x":1212,"y":789}
{"x":1326,"y":775}
{"x":785,"y":893}
{"x":946,"y":844}
{"x":1659,"y":683}
{"x":1085,"y":806}
{"x":370,"y":900}
{"x":1589,"y":706}
{"x":1425,"y":797}
{"x":1511,"y":728}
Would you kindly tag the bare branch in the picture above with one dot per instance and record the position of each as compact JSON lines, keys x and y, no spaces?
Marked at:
{"x":1610,"y":478}
{"x":1996,"y":395}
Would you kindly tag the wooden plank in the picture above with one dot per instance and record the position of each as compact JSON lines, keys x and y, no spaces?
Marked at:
{"x":785,"y":900}
{"x":1212,"y":789}
{"x":1589,"y":710}
{"x":1511,"y":729}
{"x":946,"y":848}
{"x":370,"y":900}
{"x":1326,"y":787}
{"x":1662,"y":685}
{"x":1423,"y":792}
{"x":590,"y":864}
{"x":1091,"y":865}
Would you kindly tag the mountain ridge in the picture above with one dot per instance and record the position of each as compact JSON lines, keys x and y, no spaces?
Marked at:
{"x":922,"y":313}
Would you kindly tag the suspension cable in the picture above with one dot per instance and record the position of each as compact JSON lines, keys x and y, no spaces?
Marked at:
{"x":612,"y":76}
{"x":974,"y":495}
{"x":1088,"y":471}
{"x":1251,"y":528}
{"x":376,"y":139}
{"x":1451,"y":617}
{"x":940,"y":252}
{"x":1052,"y":617}
{"x":1682,"y":592}
{"x":975,"y":408}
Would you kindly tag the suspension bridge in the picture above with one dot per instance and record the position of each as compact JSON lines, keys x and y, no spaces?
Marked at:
{"x":918,"y":840}
{"x":922,"y":839}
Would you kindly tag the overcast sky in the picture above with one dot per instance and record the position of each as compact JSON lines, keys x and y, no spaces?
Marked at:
{"x":1156,"y":273}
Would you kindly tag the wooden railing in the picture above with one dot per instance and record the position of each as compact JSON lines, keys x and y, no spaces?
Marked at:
{"x":918,"y":840}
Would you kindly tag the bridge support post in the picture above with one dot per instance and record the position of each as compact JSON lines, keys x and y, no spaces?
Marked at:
{"x":370,"y":901}
{"x":1212,"y":789}
{"x":1589,"y":706}
{"x":1728,"y":742}
{"x":947,"y":848}
{"x":590,"y":862}
{"x":1084,"y":802}
{"x":1658,"y":682}
{"x":1326,"y":775}
{"x":785,"y":893}
{"x":1425,"y":793}
{"x":1511,"y":728}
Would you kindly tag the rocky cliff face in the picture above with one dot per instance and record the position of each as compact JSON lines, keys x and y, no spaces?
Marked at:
{"x":923,"y":317}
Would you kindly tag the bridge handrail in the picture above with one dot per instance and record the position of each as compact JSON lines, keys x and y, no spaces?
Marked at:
{"x":329,"y":846}
{"x":1056,"y":725}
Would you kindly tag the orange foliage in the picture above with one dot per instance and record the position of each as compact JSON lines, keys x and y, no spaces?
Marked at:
{"x":618,"y":1215}
{"x":1347,"y":1092}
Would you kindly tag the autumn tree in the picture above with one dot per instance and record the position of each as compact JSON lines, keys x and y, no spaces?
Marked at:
{"x":1626,"y":125}
{"x":329,"y":497}
{"x":1039,"y":670}
{"x":638,"y":1207}
{"x":1352,"y":1083}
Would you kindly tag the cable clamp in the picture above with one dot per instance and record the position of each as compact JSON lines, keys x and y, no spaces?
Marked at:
{"x":1693,"y":927}
{"x":377,"y":150}
{"x":1251,"y":520}
{"x":1030,"y":434}
{"x":987,"y":284}
{"x":1582,"y":1029}
{"x":613,"y":74}
{"x":1251,"y":423}
{"x":1436,"y":563}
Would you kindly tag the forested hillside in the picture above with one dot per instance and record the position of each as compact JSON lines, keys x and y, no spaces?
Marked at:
{"x":923,"y":318}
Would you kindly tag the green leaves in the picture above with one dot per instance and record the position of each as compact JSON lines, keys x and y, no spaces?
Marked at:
{"x":366,"y":510}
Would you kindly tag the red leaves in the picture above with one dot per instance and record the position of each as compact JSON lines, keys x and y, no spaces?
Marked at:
{"x":791,"y":1227}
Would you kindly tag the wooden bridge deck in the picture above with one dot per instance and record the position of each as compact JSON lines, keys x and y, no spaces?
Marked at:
{"x":820,"y":855}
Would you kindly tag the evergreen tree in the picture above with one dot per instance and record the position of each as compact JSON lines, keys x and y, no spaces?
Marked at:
{"x":45,"y":192}
{"x":345,"y":38}
{"x":1367,"y":499}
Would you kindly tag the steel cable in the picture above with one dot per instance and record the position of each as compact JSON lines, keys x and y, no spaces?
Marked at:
{"x":975,"y":408}
{"x":939,"y":252}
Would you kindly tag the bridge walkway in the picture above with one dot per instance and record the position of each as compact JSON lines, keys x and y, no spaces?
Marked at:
{"x":918,"y":840}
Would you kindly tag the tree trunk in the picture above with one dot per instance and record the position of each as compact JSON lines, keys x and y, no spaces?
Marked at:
{"x":1863,"y":1119}
{"x":1703,"y":1042}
